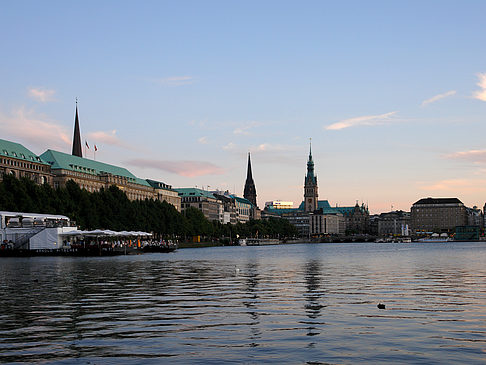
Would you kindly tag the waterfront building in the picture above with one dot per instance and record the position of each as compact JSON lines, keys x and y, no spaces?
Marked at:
{"x":228,"y":211}
{"x":256,"y":213}
{"x":467,"y":233}
{"x":18,"y":161}
{"x":164,"y":192}
{"x":310,"y":186}
{"x":394,"y":223}
{"x":474,"y":216}
{"x":373,"y":226}
{"x":243,"y":209}
{"x":357,"y":218}
{"x":299,"y":219}
{"x":94,"y":175}
{"x":437,"y":215}
{"x":326,"y":223}
{"x":203,"y":200}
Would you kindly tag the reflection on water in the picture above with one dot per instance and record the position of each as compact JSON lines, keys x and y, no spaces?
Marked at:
{"x":313,"y":295}
{"x":281,"y":304}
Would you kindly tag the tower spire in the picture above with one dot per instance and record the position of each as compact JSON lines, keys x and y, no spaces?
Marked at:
{"x":248,"y":172}
{"x":77,"y":150}
{"x":310,"y":162}
{"x":250,"y":189}
{"x":310,"y":185}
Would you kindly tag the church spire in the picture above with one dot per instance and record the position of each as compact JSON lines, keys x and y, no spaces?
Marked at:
{"x":250,"y":190}
{"x":77,"y":150}
{"x":248,"y":171}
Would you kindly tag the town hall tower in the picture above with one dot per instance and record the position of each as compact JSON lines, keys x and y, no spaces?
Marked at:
{"x":310,"y":186}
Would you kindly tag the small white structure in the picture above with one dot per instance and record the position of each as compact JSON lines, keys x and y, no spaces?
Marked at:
{"x":33,"y":231}
{"x":278,"y":204}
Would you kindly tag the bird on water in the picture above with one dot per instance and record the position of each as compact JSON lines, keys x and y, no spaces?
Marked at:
{"x":381,"y":306}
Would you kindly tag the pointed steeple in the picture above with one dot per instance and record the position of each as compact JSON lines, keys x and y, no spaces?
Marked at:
{"x":250,"y":189}
{"x":310,"y":185}
{"x":77,"y":150}
{"x":249,"y":176}
{"x":310,"y":164}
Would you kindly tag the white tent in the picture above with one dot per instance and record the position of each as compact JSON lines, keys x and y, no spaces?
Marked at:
{"x":106,"y":233}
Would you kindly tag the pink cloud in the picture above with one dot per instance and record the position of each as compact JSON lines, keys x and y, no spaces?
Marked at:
{"x":24,"y":126}
{"x":438,"y":97}
{"x":457,"y":185}
{"x":42,"y":95}
{"x":475,"y":156}
{"x":481,"y":94}
{"x":182,"y":168}
{"x":367,"y":120}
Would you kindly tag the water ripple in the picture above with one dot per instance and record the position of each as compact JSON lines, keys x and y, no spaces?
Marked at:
{"x":311,"y":304}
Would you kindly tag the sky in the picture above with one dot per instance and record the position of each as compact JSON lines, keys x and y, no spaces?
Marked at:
{"x":393,"y":94}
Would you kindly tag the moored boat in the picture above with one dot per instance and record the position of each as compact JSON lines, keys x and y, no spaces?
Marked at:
{"x":160,"y":246}
{"x":433,"y":239}
{"x":444,"y":237}
{"x":260,"y":241}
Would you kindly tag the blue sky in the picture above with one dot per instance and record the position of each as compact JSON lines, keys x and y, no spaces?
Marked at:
{"x":393,"y":94}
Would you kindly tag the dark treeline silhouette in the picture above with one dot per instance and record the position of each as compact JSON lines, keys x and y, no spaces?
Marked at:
{"x":111,"y":209}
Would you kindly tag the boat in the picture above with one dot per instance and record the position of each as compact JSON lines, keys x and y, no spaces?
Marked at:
{"x":394,"y":240}
{"x":432,"y":240}
{"x":436,"y":238}
{"x":258,"y":241}
{"x":160,"y":246}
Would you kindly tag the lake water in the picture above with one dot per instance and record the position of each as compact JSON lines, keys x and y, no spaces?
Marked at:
{"x":297,"y":304}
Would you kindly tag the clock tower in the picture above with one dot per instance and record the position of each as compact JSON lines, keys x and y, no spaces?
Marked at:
{"x":310,"y":186}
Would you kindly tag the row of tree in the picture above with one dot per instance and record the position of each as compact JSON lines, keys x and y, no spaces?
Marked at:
{"x":111,"y":209}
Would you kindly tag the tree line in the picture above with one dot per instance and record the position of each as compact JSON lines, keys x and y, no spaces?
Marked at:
{"x":111,"y":209}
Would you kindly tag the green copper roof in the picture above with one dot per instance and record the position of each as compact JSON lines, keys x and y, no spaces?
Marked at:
{"x":16,"y":150}
{"x":158,"y":184}
{"x":280,"y":211}
{"x":321,"y":204}
{"x":345,"y":210}
{"x":183,"y":192}
{"x":60,"y":160}
{"x":242,"y":200}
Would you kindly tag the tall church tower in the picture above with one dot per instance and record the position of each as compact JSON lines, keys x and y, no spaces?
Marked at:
{"x":77,"y":150}
{"x":250,"y":190}
{"x":310,"y":186}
